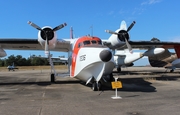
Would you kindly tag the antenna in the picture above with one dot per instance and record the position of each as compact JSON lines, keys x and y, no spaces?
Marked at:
{"x":71,"y":32}
{"x":91,"y":27}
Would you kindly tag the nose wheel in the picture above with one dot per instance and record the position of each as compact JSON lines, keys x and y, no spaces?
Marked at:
{"x":96,"y":86}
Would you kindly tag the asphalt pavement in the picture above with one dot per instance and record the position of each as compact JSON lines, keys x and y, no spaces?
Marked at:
{"x":146,"y":91}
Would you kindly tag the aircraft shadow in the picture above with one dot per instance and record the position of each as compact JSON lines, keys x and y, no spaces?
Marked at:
{"x":142,"y":84}
{"x":128,"y":84}
{"x":10,"y":81}
{"x":143,"y":73}
{"x":132,"y":85}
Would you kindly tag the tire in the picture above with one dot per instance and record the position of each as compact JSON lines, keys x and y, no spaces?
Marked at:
{"x":52,"y":78}
{"x":118,"y":69}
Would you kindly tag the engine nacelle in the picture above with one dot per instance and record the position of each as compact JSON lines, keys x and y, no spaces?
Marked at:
{"x":2,"y":53}
{"x":118,"y":40}
{"x":119,"y":37}
{"x":154,"y":51}
{"x":47,"y":33}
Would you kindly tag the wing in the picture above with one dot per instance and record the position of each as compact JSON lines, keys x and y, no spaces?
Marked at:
{"x":32,"y":44}
{"x":149,"y":44}
{"x":145,"y":44}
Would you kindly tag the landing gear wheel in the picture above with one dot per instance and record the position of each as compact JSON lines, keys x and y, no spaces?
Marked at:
{"x":52,"y":78}
{"x":118,"y":69}
{"x":96,"y":86}
{"x":99,"y":86}
{"x":171,"y":70}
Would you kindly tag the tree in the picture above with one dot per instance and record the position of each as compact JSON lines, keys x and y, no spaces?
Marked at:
{"x":2,"y":62}
{"x":10,"y":60}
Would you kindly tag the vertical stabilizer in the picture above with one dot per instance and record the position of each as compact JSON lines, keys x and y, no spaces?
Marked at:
{"x":123,"y":25}
{"x":177,"y":49}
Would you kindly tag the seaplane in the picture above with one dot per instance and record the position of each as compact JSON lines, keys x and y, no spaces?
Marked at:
{"x":90,"y":59}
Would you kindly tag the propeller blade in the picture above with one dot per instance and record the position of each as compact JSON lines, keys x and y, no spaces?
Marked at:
{"x":132,"y":24}
{"x":59,"y":27}
{"x":129,"y":46}
{"x":34,"y":25}
{"x":111,"y":32}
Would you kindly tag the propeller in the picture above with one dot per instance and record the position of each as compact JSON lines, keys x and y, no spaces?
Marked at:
{"x":45,"y":32}
{"x":59,"y":27}
{"x":34,"y":25}
{"x":111,"y":32}
{"x":128,"y":45}
{"x":132,"y":24}
{"x":123,"y":33}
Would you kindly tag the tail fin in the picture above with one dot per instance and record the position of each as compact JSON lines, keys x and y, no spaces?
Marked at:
{"x":123,"y":25}
{"x":177,"y":49}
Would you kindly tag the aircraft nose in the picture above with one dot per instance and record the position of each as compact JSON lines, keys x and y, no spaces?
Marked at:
{"x":105,"y":55}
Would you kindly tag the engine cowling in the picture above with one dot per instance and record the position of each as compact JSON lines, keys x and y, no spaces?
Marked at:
{"x":154,"y":51}
{"x":51,"y":35}
{"x":120,"y":37}
{"x":118,"y":40}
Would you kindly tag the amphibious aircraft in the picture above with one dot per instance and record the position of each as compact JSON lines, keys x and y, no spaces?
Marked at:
{"x":89,"y":57}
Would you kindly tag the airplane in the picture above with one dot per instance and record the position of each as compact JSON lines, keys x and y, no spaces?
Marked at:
{"x":166,"y":59}
{"x":90,"y":59}
{"x":61,"y":59}
{"x":124,"y":58}
{"x":12,"y":67}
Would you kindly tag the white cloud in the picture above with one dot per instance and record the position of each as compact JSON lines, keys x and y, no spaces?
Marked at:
{"x":138,"y":11}
{"x":122,"y":11}
{"x":111,"y":13}
{"x":175,"y":39}
{"x":150,"y":2}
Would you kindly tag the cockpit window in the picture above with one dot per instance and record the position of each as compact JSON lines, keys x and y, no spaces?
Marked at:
{"x":87,"y":42}
{"x":100,"y":42}
{"x":93,"y":42}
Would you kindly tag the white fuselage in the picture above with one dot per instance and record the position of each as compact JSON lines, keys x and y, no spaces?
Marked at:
{"x":88,"y":64}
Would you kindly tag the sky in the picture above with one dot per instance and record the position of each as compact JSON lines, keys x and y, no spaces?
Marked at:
{"x":154,"y":18}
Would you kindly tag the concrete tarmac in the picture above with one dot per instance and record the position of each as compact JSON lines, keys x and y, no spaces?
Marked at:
{"x":144,"y":93}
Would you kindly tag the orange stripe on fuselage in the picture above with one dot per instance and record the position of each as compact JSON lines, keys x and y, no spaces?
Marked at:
{"x":77,"y":48}
{"x":177,"y":49}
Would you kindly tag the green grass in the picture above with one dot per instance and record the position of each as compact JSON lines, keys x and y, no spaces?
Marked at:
{"x":36,"y":67}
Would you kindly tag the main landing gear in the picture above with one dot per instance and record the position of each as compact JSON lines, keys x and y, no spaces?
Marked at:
{"x":96,"y":86}
{"x":52,"y":78}
{"x":118,"y":69}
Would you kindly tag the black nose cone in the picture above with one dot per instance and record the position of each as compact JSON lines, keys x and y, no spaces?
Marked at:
{"x":105,"y":55}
